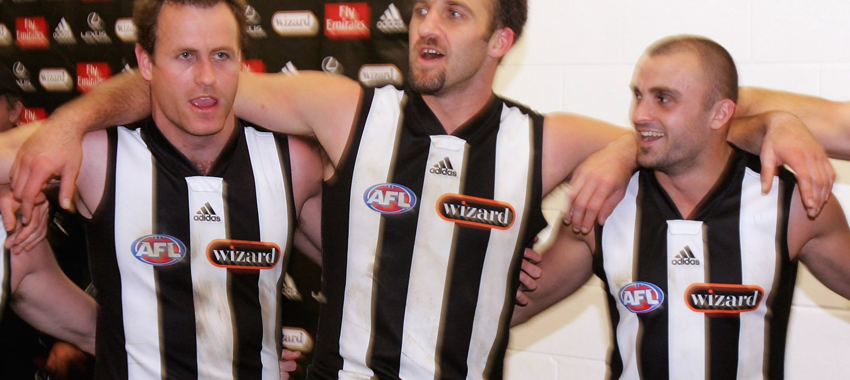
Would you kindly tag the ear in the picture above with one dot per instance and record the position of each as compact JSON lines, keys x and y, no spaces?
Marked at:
{"x":145,"y":62}
{"x":501,"y":42}
{"x":724,"y":111}
{"x":15,"y":115}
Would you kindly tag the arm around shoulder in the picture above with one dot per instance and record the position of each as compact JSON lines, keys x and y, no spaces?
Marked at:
{"x":822,"y":243}
{"x":828,"y":121}
{"x":309,"y":104}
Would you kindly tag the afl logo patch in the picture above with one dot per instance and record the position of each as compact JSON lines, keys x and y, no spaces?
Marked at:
{"x":390,"y":198}
{"x":641,"y":297}
{"x":158,"y":250}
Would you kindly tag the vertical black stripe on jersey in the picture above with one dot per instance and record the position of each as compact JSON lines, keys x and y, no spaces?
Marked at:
{"x":533,"y":223}
{"x":178,"y":341}
{"x":650,"y":263}
{"x":243,"y":286}
{"x":395,"y":252}
{"x":779,"y":303}
{"x":466,"y":267}
{"x":106,"y":278}
{"x":723,"y":265}
{"x":336,"y":199}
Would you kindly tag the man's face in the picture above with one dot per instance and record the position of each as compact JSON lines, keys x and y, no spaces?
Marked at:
{"x":194,"y":71}
{"x":448,"y":43}
{"x":668,"y":111}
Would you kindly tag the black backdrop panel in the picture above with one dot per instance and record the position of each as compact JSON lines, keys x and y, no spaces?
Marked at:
{"x":61,"y":48}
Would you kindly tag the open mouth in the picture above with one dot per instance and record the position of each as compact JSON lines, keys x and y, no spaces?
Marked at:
{"x":651,"y":135}
{"x":204,"y":102}
{"x":429,"y":53}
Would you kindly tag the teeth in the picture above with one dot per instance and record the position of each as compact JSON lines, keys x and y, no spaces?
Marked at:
{"x":431,"y":51}
{"x":652,"y":134}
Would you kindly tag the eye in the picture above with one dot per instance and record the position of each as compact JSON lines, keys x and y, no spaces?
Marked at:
{"x":185,"y":55}
{"x":221,"y":55}
{"x":420,"y":11}
{"x":454,"y":14}
{"x":662,"y":99}
{"x":637,"y":95}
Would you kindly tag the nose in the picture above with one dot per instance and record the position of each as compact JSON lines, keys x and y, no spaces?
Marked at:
{"x":205,"y":72}
{"x":641,"y":113}
{"x":428,"y":23}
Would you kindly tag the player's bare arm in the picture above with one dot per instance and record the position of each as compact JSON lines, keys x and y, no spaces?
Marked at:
{"x":598,"y":184}
{"x":45,"y":298}
{"x":123,"y":99}
{"x":829,"y":121}
{"x":822,"y":243}
{"x":307,"y":176}
{"x":565,"y":266}
{"x":312,"y":104}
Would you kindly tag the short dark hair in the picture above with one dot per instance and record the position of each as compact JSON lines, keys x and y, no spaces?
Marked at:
{"x":146,"y":16}
{"x":717,"y":63}
{"x":510,"y":14}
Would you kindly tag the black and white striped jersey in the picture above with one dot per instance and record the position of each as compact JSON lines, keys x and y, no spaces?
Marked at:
{"x":423,"y":234}
{"x":188,"y":268}
{"x":704,"y":298}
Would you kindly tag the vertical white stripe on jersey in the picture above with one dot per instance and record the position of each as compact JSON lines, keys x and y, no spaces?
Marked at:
{"x":269,"y":181}
{"x":758,"y":228}
{"x":213,"y":319}
{"x":620,"y":272}
{"x":134,"y":189}
{"x":430,"y":264}
{"x":514,"y":163}
{"x":372,"y":167}
{"x":686,"y":340}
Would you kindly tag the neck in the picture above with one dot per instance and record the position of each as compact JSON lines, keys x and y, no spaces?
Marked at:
{"x":456,"y":106}
{"x":688,"y":186}
{"x":203,"y":150}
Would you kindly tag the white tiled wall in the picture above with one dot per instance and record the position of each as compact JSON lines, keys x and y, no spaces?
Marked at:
{"x":578,"y":55}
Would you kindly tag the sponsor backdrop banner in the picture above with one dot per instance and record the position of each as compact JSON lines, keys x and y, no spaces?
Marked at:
{"x":58,"y":49}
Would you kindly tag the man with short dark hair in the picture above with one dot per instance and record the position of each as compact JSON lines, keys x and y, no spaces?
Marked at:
{"x":190,"y":215}
{"x":698,"y":263}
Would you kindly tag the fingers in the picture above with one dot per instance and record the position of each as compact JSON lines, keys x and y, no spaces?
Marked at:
{"x":532,"y":255}
{"x":609,"y":206}
{"x":570,"y":195}
{"x":768,"y":170}
{"x":30,"y":191}
{"x":580,"y":209}
{"x":521,"y":298}
{"x":67,"y":185}
{"x":290,"y":355}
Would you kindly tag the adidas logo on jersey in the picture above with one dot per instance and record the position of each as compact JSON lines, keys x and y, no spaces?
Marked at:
{"x":63,"y":33}
{"x":444,"y":167}
{"x":391,"y":22}
{"x":206,"y":214}
{"x":685,"y":257}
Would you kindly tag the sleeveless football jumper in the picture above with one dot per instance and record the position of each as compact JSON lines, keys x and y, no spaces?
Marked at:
{"x":704,"y":298}
{"x":423,"y":235}
{"x":188,"y":268}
